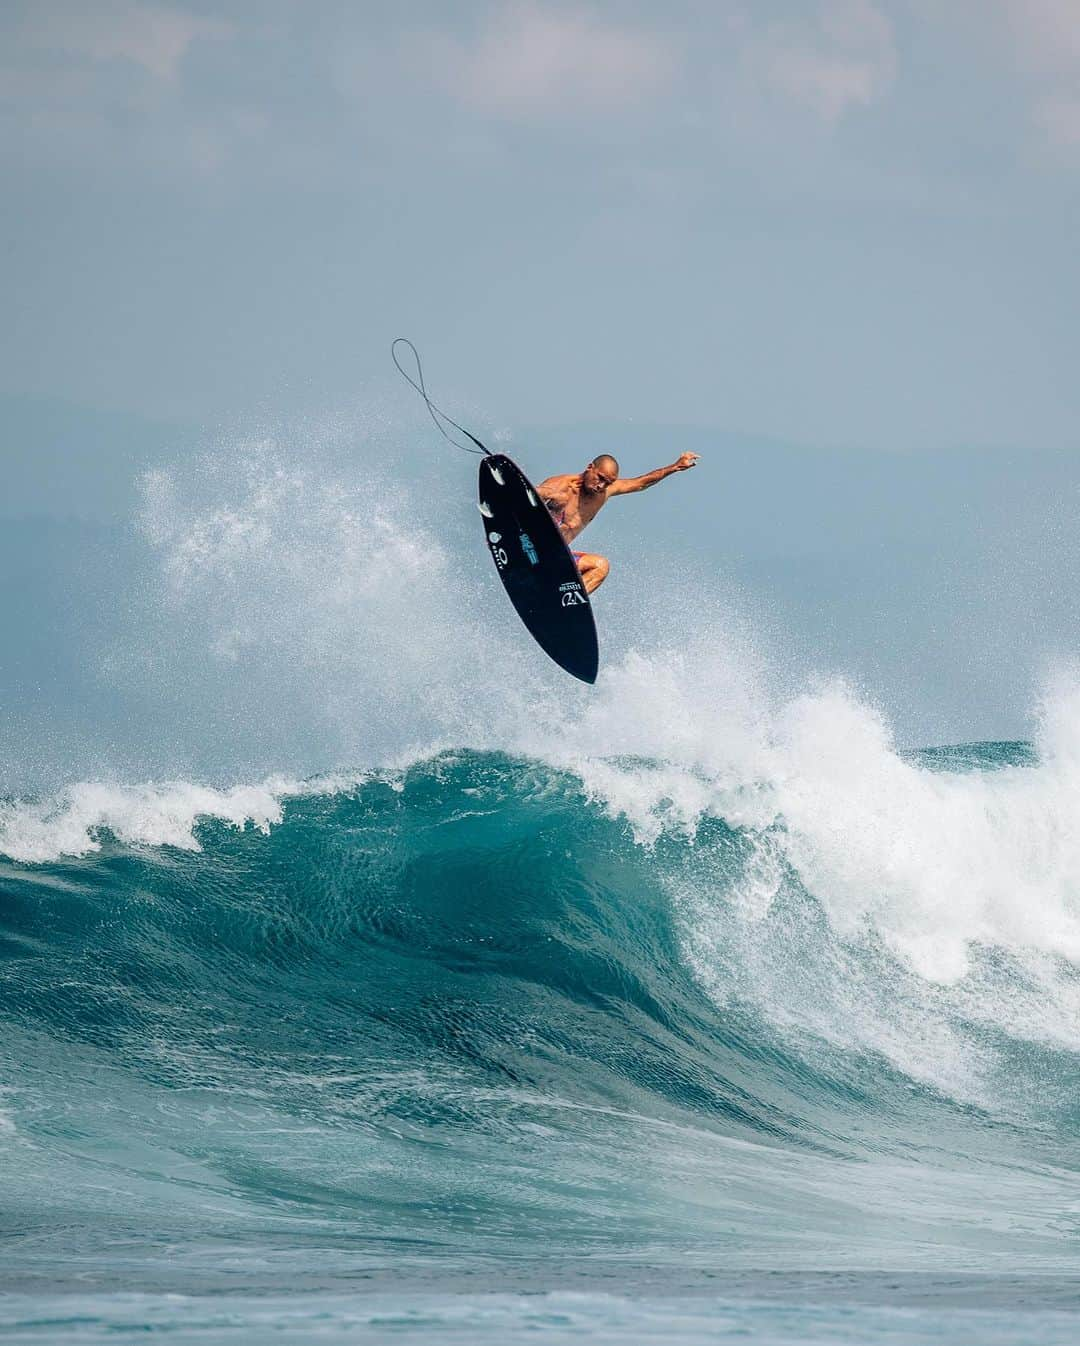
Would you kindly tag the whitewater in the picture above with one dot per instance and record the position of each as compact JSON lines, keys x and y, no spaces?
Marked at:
{"x":372,"y":979}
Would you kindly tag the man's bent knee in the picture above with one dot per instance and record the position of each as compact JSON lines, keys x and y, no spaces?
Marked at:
{"x":594,"y":571}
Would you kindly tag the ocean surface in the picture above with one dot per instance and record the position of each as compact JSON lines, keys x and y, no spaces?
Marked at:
{"x":687,"y":1008}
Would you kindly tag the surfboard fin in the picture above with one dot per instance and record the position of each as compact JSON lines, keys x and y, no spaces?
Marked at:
{"x":485,"y":509}
{"x":532,"y":498}
{"x":497,"y":475}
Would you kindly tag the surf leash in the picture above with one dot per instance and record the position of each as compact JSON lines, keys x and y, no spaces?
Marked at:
{"x":436,"y":414}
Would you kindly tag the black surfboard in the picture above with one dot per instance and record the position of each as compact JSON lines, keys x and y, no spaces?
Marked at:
{"x":537,"y":568}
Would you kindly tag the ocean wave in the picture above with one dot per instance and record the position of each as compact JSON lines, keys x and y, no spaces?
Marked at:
{"x":938,"y":854}
{"x":463,"y":1002}
{"x":863,"y":858}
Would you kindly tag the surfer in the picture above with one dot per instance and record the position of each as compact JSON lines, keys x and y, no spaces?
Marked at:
{"x":575,"y":501}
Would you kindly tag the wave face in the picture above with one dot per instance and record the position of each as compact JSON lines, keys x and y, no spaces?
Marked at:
{"x":460,"y":1009}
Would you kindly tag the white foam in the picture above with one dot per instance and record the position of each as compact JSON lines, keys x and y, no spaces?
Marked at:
{"x":937,"y":862}
{"x":164,"y":814}
{"x":934,"y":861}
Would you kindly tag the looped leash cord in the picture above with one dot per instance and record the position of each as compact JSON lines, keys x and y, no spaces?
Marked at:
{"x":435,"y":413}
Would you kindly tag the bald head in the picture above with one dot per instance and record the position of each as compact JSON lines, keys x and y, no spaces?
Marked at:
{"x":599,"y":475}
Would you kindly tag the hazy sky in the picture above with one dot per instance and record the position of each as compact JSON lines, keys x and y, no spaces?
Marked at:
{"x":795,"y":236}
{"x":839,"y":223}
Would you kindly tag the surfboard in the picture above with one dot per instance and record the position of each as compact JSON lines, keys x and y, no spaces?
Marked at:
{"x":537,"y":568}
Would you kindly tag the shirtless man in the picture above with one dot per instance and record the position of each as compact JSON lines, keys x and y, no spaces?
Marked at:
{"x":576,"y":501}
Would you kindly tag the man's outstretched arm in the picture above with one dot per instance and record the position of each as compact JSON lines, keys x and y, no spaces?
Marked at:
{"x":626,"y":485}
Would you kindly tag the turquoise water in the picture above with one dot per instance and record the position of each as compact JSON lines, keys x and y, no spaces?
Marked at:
{"x":469,"y":1050}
